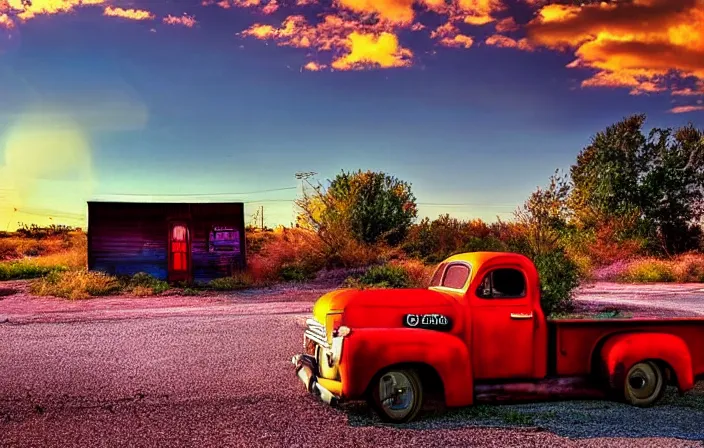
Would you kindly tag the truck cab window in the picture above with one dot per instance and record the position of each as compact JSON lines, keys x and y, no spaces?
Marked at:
{"x":456,"y":276}
{"x":437,"y":276}
{"x":504,"y":284}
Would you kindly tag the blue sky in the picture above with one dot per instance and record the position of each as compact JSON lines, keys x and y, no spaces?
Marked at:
{"x":96,"y":105}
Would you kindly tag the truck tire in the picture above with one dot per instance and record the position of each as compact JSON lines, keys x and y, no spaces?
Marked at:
{"x":645,"y":384}
{"x":397,"y":395}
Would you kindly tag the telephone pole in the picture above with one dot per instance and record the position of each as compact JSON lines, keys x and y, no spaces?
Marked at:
{"x":262,"y":217}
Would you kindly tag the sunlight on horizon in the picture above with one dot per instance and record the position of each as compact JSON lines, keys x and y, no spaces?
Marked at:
{"x":47,"y":165}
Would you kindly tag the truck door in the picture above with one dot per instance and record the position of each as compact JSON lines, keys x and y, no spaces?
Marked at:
{"x":503,"y":330}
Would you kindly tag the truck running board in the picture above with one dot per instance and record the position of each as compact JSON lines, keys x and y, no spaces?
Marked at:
{"x":566,"y":388}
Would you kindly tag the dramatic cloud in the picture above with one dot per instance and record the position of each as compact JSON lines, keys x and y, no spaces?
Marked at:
{"x":185,"y":20}
{"x":686,"y":109}
{"x":356,"y":45}
{"x":368,"y":50}
{"x":6,"y":22}
{"x":131,"y":14}
{"x":449,"y":35}
{"x":314,"y":66}
{"x":28,"y":10}
{"x":498,"y":40}
{"x":506,"y":25}
{"x":637,"y":44}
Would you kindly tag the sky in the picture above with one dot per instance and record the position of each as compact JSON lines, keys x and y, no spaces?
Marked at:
{"x":475,"y":103}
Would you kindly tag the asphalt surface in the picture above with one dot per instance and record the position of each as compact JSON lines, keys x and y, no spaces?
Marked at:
{"x":223,"y":378}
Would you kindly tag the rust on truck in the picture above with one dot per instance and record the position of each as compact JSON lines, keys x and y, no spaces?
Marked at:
{"x":478,"y":330}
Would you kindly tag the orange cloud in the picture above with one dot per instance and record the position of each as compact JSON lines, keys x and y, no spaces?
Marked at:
{"x":185,"y":20}
{"x":506,"y":25}
{"x":6,"y":22}
{"x":314,"y":66}
{"x":611,"y":39}
{"x":394,"y":11}
{"x":28,"y":10}
{"x":686,"y":109}
{"x":353,"y":45}
{"x":270,"y":7}
{"x":498,"y":40}
{"x":368,"y":50}
{"x":479,"y":12}
{"x":131,"y":14}
{"x":305,"y":2}
{"x":459,"y":40}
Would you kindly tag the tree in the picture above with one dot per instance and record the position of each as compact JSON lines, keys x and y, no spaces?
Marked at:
{"x":545,"y":215}
{"x":370,"y":206}
{"x":654,"y":182}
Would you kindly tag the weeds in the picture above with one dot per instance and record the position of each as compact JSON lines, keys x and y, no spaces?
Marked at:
{"x":143,"y":284}
{"x":76,"y":285}
{"x":235,"y":282}
{"x":384,"y":276}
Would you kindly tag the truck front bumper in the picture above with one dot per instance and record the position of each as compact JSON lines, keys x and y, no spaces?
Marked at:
{"x":306,"y":368}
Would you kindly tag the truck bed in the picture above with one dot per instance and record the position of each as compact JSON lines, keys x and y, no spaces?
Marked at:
{"x":573,"y":342}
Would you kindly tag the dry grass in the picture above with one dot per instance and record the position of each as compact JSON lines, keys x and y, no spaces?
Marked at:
{"x":56,"y":253}
{"x":17,"y":247}
{"x":687,"y":268}
{"x":419,"y":273}
{"x":76,"y":285}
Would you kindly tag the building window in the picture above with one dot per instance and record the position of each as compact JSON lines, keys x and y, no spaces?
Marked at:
{"x":224,"y":239}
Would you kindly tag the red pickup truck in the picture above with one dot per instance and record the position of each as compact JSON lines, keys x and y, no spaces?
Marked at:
{"x":478,"y":326}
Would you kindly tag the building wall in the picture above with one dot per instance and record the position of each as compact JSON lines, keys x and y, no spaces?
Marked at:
{"x":126,"y":238}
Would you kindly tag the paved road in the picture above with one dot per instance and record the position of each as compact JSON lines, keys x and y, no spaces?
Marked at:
{"x":225,"y":380}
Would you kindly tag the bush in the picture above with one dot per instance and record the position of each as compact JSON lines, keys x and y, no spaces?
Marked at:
{"x":648,"y":270}
{"x":142,"y":284}
{"x":689,"y":268}
{"x":384,"y":276}
{"x":296,"y":272}
{"x":559,"y":277}
{"x":237,"y":281}
{"x":76,"y":285}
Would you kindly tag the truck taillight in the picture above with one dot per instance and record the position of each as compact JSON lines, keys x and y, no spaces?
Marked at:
{"x":332,"y":323}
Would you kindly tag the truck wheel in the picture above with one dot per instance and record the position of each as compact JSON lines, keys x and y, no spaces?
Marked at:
{"x":397,"y":395}
{"x":645,"y":384}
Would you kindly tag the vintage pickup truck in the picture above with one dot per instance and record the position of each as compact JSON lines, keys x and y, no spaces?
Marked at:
{"x":478,"y":326}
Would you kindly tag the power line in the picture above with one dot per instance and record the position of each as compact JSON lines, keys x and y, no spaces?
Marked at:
{"x":198,"y":194}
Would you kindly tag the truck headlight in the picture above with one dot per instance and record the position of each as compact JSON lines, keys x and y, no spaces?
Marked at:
{"x":342,"y":332}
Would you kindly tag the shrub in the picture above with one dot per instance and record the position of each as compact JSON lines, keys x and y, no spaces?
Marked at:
{"x":76,"y":285}
{"x":384,"y":276}
{"x":286,"y":247}
{"x":296,"y":272}
{"x":235,"y":282}
{"x":689,"y":268}
{"x":559,"y":277}
{"x":142,"y":282}
{"x":648,"y":270}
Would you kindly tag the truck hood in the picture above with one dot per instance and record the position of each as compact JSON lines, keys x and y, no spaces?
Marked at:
{"x":388,"y":308}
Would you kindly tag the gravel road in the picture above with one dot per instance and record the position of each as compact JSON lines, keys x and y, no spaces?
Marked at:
{"x":219,"y":374}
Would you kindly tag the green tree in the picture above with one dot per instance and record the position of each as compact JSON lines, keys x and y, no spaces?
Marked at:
{"x":545,"y":215}
{"x":658,"y":179}
{"x":370,"y":206}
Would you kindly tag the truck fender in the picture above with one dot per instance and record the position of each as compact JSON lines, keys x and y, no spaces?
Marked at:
{"x":622,"y":351}
{"x":367,"y":351}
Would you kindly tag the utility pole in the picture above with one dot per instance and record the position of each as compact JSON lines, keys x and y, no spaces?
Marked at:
{"x":303,"y":177}
{"x":262,"y":217}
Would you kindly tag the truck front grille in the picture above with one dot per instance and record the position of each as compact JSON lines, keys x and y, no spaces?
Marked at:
{"x":316,"y":333}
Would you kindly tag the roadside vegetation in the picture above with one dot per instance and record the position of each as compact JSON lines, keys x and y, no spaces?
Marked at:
{"x":628,"y":211}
